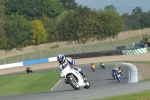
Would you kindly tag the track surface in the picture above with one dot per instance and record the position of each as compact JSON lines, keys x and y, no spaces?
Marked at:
{"x":102,"y":85}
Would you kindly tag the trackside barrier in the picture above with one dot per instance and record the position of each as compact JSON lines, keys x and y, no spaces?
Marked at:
{"x":75,"y":56}
{"x":26,"y":63}
{"x":133,"y":73}
{"x":52,"y":59}
{"x":134,"y":51}
{"x":38,"y":61}
{"x":11,"y":65}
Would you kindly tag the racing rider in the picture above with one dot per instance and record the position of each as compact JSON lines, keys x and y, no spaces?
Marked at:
{"x":64,"y":61}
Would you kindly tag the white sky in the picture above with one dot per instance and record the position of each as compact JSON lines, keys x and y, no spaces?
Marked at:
{"x":121,"y":5}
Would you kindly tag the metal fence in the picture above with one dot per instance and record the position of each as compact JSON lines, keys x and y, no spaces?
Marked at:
{"x":71,"y":49}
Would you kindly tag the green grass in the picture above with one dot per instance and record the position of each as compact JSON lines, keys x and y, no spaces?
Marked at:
{"x":28,"y":83}
{"x":144,"y":95}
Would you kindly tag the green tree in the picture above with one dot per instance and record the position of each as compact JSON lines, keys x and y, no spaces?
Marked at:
{"x":110,"y":7}
{"x":69,"y":4}
{"x":127,"y":21}
{"x":85,"y":24}
{"x":136,"y":18}
{"x":145,"y":20}
{"x":38,"y":33}
{"x":60,"y":30}
{"x":52,"y":8}
{"x":17,"y":31}
{"x":49,"y":25}
{"x":34,"y":9}
{"x":3,"y":40}
{"x":111,"y":22}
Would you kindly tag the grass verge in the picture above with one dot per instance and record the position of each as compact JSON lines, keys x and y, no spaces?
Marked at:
{"x":28,"y":83}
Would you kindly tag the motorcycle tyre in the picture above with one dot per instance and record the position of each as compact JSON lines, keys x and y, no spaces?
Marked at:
{"x":87,"y":86}
{"x":71,"y":83}
{"x":93,"y":68}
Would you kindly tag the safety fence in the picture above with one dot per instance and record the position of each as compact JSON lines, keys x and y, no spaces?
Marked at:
{"x":76,"y":56}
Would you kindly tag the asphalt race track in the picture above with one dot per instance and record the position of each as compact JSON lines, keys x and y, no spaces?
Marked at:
{"x":102,"y":85}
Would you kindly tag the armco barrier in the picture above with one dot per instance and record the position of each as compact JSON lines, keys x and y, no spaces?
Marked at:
{"x":76,"y":56}
{"x":38,"y":61}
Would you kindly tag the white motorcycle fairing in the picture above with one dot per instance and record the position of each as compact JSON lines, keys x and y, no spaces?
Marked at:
{"x":74,"y":78}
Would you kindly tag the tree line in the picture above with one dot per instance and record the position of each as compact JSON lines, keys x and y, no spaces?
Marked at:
{"x":33,"y":22}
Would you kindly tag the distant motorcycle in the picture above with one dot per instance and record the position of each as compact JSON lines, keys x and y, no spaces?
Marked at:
{"x":102,"y":65}
{"x":118,"y":76}
{"x":28,"y":70}
{"x":114,"y":74}
{"x":93,"y":67}
{"x":120,"y":72}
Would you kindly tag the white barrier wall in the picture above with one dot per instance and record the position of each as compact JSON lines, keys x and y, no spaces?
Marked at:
{"x":52,"y":59}
{"x":12,"y":65}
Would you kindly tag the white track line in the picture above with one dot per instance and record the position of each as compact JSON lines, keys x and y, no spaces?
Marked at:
{"x":56,"y":85}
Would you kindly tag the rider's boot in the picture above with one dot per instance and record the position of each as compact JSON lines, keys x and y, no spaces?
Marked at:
{"x":85,"y":78}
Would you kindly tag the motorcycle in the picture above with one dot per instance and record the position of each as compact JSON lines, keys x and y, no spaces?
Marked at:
{"x":118,"y":76}
{"x":29,"y":71}
{"x":102,"y":65}
{"x":93,"y":67}
{"x":121,"y":73}
{"x":74,"y":78}
{"x":114,"y":74}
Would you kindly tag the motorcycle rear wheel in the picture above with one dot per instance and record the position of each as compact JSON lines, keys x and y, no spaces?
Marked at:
{"x":87,"y":85}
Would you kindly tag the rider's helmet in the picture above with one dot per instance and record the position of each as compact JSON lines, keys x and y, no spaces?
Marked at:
{"x":61,"y":58}
{"x":119,"y":67}
{"x":92,"y":63}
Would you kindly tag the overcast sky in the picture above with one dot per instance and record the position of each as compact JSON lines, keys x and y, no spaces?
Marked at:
{"x":121,"y":5}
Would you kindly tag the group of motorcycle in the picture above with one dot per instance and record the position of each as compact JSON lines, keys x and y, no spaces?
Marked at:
{"x":116,"y":73}
{"x":77,"y":80}
{"x":93,"y":67}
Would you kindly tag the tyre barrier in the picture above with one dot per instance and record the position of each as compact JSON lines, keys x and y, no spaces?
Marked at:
{"x":134,"y":51}
{"x":95,"y":54}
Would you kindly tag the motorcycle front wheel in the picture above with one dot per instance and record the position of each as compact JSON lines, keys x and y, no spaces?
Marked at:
{"x":73,"y":82}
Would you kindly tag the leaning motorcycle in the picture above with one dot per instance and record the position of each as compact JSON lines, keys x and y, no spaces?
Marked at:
{"x":114,"y":74}
{"x":29,"y":71}
{"x":74,"y":78}
{"x":102,"y":65}
{"x":93,"y":67}
{"x":118,"y":76}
